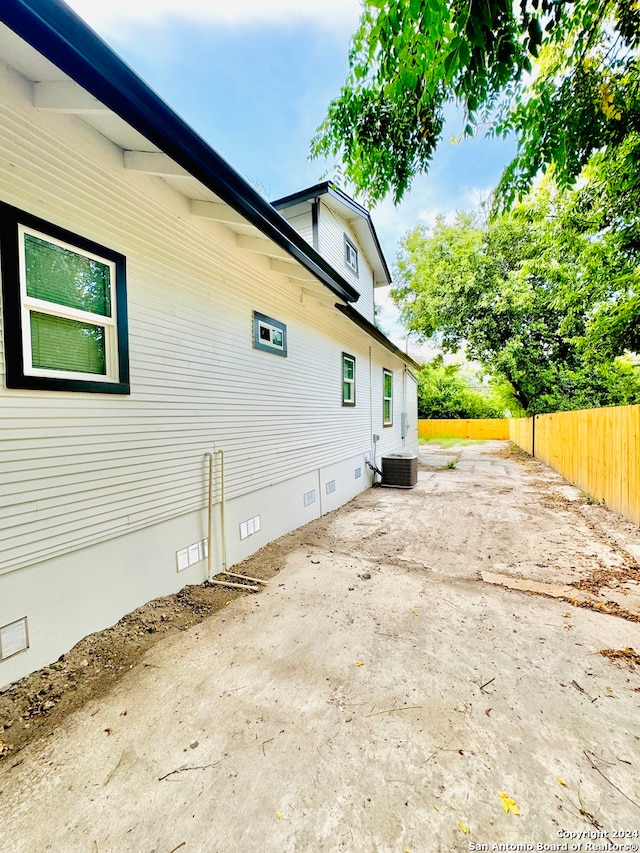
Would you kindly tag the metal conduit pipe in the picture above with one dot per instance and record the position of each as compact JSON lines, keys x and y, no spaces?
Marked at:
{"x":223,"y":524}
{"x":209,"y":456}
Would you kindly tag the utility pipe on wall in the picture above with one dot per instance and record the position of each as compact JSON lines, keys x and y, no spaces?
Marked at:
{"x":209,"y":455}
{"x":223,"y":524}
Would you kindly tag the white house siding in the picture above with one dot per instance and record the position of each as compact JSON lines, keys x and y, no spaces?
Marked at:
{"x":99,"y":492}
{"x":332,"y":229}
{"x":299,"y":215}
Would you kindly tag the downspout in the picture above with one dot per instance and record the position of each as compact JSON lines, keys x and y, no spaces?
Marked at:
{"x":315,"y":224}
{"x":371,"y":464}
{"x":371,"y":407}
{"x":405,"y":408}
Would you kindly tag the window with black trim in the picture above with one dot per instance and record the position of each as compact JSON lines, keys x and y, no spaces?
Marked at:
{"x":348,"y":380}
{"x":350,"y":255}
{"x":387,"y":397}
{"x":269,"y":335}
{"x":65,"y":312}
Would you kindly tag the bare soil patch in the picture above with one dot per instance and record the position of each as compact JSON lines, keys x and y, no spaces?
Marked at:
{"x":418,"y":660}
{"x":35,"y":705}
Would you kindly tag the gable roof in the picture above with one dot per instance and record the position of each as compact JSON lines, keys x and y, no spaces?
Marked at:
{"x":124,"y":103}
{"x":74,"y":71}
{"x":357,"y":216}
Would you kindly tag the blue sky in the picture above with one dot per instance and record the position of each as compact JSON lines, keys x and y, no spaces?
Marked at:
{"x":254,"y":78}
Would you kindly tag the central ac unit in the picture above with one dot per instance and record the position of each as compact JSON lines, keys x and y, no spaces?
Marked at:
{"x":399,"y":471}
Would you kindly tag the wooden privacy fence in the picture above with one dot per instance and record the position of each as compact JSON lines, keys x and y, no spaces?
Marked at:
{"x":481,"y":428}
{"x":596,"y":449}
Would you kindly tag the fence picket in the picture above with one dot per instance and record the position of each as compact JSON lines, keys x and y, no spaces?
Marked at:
{"x":598,"y":450}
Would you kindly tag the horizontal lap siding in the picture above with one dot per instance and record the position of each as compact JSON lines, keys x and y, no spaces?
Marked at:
{"x":332,"y":230}
{"x":76,"y":469}
{"x":299,"y":215}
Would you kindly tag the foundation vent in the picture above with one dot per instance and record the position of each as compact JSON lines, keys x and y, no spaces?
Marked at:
{"x":310,"y":497}
{"x":331,"y":486}
{"x":186,"y":557}
{"x":249,"y":527}
{"x":14,"y":638}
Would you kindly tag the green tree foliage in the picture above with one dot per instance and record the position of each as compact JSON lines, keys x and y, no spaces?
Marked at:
{"x":562,"y":75}
{"x":531,"y":297}
{"x":444,"y":392}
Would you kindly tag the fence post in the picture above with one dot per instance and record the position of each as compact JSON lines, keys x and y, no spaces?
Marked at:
{"x":533,"y":436}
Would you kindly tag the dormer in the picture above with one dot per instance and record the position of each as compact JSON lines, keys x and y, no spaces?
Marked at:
{"x":342,"y":232}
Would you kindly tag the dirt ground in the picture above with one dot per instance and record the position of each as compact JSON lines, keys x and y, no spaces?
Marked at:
{"x":449,"y":668}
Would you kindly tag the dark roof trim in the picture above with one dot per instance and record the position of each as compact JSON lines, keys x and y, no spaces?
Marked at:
{"x":54,"y":30}
{"x":326,"y":187}
{"x":372,"y":330}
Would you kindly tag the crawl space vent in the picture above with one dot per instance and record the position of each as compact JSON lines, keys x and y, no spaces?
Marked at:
{"x":399,"y":471}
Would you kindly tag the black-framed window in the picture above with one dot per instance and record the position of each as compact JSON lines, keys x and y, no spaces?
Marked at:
{"x":350,"y":255}
{"x":64,"y":306}
{"x":387,"y":397}
{"x":269,"y":335}
{"x":348,"y":380}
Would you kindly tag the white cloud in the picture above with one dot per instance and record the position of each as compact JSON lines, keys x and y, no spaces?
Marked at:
{"x":116,"y":15}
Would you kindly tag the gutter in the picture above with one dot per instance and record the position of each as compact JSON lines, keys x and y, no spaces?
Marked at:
{"x":327,"y":188}
{"x":374,"y":332}
{"x":56,"y":32}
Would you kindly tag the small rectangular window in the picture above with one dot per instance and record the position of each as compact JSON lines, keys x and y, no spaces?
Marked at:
{"x":65,"y":312}
{"x":269,"y":335}
{"x":350,"y":255}
{"x":387,"y":397}
{"x":348,"y":380}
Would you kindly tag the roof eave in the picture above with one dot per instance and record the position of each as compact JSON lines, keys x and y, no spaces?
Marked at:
{"x":57,"y":33}
{"x":375,"y":332}
{"x":327,"y":188}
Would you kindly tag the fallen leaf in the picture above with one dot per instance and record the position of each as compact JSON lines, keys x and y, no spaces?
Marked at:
{"x":488,"y":711}
{"x":278,"y":816}
{"x":560,"y":782}
{"x":415,"y":612}
{"x":508,"y":804}
{"x":463,"y":827}
{"x":359,"y":663}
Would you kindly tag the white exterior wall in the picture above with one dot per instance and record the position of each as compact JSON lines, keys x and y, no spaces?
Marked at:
{"x":332,"y":229}
{"x":299,"y":215}
{"x":98,"y":492}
